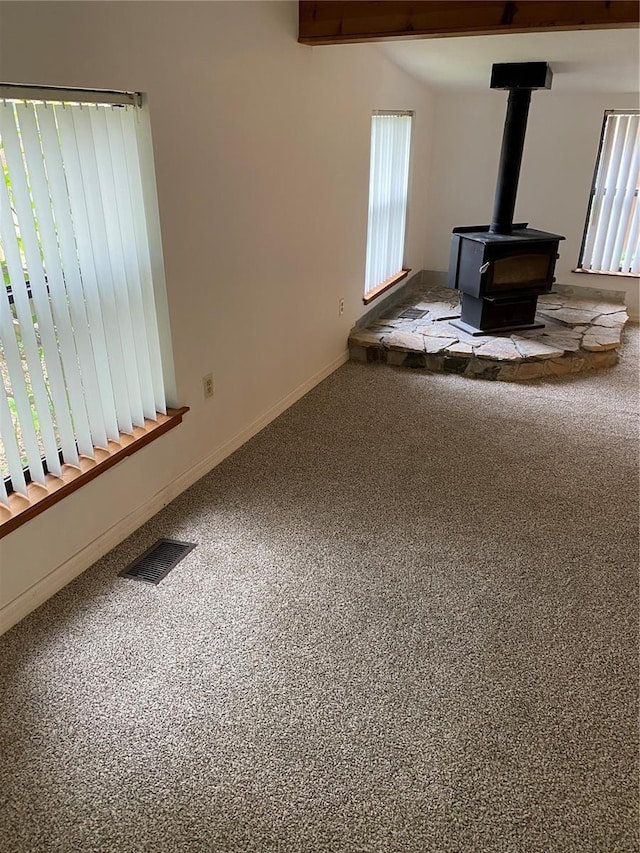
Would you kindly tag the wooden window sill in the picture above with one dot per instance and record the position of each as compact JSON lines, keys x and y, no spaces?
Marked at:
{"x":385,"y":285}
{"x":21,"y":508}
{"x":607,"y":272}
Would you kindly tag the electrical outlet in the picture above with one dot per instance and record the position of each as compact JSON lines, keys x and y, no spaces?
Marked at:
{"x":341,"y":307}
{"x":207,"y":385}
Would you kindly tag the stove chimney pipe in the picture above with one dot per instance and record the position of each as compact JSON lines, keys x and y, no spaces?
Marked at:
{"x":520,"y":78}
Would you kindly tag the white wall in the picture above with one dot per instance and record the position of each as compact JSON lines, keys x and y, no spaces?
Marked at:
{"x":262,"y":160}
{"x":563,"y":132}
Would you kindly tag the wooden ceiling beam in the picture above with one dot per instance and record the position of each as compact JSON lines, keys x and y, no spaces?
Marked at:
{"x":328,"y":22}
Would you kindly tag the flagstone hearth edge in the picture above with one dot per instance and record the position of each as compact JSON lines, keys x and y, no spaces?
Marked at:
{"x":582,"y":331}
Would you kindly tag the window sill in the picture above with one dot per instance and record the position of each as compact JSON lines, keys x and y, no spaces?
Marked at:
{"x":385,"y":285}
{"x":605,"y":272}
{"x":23,"y":508}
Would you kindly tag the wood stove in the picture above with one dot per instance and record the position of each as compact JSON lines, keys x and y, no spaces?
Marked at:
{"x":502,"y":268}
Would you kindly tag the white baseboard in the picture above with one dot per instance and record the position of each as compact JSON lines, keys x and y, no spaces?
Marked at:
{"x":26,"y":602}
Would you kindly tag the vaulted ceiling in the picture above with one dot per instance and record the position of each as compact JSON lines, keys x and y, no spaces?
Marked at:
{"x":591,"y":60}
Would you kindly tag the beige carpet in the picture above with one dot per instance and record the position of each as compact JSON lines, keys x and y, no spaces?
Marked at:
{"x":410,"y":625}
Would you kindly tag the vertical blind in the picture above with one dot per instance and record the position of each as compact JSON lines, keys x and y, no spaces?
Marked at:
{"x":612,"y":234}
{"x":388,"y":193}
{"x":79,"y":346}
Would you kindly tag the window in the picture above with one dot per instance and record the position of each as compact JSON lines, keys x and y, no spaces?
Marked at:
{"x":612,"y":232}
{"x":82,"y":363}
{"x":388,"y":195}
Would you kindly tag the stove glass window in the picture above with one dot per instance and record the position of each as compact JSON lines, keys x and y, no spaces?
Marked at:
{"x":520,"y":271}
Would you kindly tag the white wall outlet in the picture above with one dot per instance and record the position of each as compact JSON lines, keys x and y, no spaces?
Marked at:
{"x":207,"y":385}
{"x":341,"y":307}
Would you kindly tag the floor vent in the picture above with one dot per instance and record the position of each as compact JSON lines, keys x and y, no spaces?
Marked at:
{"x":156,"y":563}
{"x":412,"y":314}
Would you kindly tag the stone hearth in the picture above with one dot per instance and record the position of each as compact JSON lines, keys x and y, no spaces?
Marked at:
{"x":582,"y":331}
